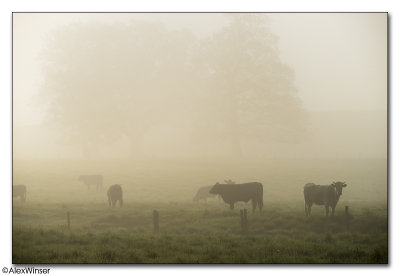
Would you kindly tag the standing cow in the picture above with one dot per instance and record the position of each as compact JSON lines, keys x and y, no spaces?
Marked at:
{"x":19,"y":191}
{"x":114,"y":193}
{"x":327,"y":195}
{"x":92,"y":180}
{"x":232,"y":193}
{"x":203,"y":193}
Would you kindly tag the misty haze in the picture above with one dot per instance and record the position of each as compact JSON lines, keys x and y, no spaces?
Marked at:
{"x":138,"y":135}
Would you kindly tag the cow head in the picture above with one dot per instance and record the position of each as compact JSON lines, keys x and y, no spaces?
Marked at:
{"x":215,"y":189}
{"x":338,"y":186}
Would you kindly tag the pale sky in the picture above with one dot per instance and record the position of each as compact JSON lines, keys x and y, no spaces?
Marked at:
{"x":339,"y":59}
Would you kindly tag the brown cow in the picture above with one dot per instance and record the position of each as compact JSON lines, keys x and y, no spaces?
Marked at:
{"x":327,"y":195}
{"x":232,"y":193}
{"x":114,"y":194}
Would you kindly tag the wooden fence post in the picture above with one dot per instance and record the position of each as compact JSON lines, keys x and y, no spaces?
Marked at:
{"x":155,"y":221}
{"x":68,"y":221}
{"x":241,"y":221}
{"x":245,"y":220}
{"x":347,"y":218}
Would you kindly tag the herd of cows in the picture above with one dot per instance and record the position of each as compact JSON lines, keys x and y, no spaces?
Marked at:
{"x":230,"y":192}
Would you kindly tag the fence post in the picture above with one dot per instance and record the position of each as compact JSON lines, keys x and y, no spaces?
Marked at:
{"x":68,"y":221}
{"x":347,"y":218}
{"x":155,"y":221}
{"x":241,"y":221}
{"x":245,"y":220}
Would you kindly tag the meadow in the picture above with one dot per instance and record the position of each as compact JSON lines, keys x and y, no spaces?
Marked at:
{"x":198,"y":232}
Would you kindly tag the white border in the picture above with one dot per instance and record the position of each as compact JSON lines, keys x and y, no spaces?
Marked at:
{"x":8,"y":6}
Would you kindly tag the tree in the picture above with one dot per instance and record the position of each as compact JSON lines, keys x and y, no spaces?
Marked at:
{"x":107,"y":81}
{"x":254,"y":90}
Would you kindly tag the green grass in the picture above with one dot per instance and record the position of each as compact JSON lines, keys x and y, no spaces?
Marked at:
{"x":198,"y":232}
{"x":195,"y":233}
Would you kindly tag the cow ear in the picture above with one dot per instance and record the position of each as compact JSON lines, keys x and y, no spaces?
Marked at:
{"x":344,"y":185}
{"x":333,"y":184}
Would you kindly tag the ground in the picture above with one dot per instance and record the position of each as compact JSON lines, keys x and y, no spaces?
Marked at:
{"x":193,"y":232}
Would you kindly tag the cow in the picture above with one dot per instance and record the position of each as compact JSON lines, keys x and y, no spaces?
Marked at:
{"x":114,"y":193}
{"x":19,"y":190}
{"x":327,"y":195}
{"x":92,"y":180}
{"x":232,"y":193}
{"x":203,"y":193}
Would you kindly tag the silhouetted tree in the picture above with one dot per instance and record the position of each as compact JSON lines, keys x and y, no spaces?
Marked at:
{"x":253,"y":90}
{"x":104,"y":81}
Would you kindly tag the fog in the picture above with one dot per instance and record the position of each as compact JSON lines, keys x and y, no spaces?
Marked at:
{"x":190,"y":90}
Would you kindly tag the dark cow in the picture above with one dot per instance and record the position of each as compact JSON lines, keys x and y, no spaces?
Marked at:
{"x":232,"y":193}
{"x":203,"y":193}
{"x":327,"y":195}
{"x":114,"y":193}
{"x":92,"y":180}
{"x":19,"y":190}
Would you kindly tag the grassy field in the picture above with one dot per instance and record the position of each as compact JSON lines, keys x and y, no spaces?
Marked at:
{"x":198,"y":232}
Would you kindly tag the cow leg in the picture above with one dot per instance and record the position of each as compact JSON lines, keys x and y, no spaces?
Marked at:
{"x":120,"y":202}
{"x":232,"y":206}
{"x":113,"y":203}
{"x":333,"y":211}
{"x":254,"y":203}
{"x":309,"y":209}
{"x":306,"y":209}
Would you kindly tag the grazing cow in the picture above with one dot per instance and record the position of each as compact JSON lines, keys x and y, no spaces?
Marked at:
{"x":327,"y":195}
{"x":92,"y":180}
{"x":232,"y":193}
{"x":19,"y":190}
{"x":114,"y":193}
{"x":203,"y":193}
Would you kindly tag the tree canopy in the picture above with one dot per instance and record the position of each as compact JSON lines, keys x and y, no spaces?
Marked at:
{"x":105,"y":81}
